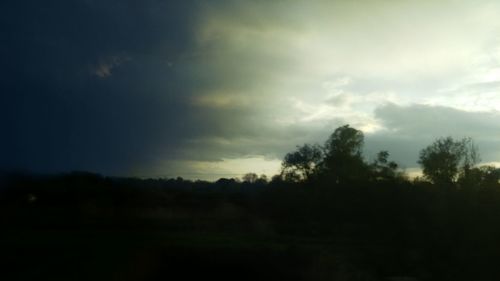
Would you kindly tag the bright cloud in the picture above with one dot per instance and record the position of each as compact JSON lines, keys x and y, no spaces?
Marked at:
{"x":322,"y":64}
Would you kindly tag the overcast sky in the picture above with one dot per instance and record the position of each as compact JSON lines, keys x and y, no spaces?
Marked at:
{"x":207,"y":89}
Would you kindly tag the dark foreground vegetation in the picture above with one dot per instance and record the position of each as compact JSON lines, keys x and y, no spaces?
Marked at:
{"x":329,"y":215}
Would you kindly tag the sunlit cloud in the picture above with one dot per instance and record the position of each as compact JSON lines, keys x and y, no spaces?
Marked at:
{"x":213,"y":170}
{"x":221,"y":100}
{"x":323,"y":64}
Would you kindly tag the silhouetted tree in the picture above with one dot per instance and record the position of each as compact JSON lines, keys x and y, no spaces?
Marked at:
{"x":480,"y":177}
{"x":302,"y":163}
{"x":250,"y":178}
{"x":445,"y":159}
{"x":343,"y":155}
{"x":226,"y":182}
{"x":383,"y":169}
{"x":262,"y":179}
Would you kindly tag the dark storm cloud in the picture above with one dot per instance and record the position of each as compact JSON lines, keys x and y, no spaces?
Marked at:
{"x":95,"y":85}
{"x":411,"y":128}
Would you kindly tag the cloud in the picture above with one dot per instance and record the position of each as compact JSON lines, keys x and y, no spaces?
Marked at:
{"x":389,"y":41}
{"x":408,"y":129}
{"x":56,"y":116}
{"x":213,"y":170}
{"x":127,"y":87}
{"x":433,"y":121}
{"x":221,"y":100}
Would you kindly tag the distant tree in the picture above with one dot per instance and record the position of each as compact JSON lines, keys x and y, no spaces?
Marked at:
{"x":383,"y":169}
{"x":343,"y":155}
{"x":262,"y":179}
{"x":277,"y":179}
{"x":445,"y":159}
{"x":226,"y":182}
{"x":490,"y":177}
{"x":301,"y":164}
{"x":250,"y":178}
{"x":480,"y":177}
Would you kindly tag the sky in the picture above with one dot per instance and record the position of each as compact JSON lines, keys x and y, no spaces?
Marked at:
{"x":210,"y":89}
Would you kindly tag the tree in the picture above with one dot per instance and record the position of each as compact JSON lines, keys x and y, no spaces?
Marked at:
{"x":343,"y":155}
{"x":302,"y":163}
{"x":345,"y":141}
{"x":250,"y":178}
{"x":383,"y":169}
{"x":445,"y":159}
{"x":487,"y":177}
{"x":262,"y":179}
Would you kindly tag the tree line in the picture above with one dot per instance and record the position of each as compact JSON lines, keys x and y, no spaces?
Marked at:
{"x":328,"y":215}
{"x":446,"y":162}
